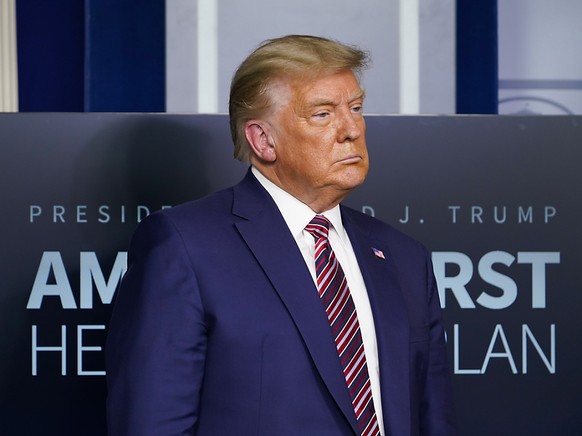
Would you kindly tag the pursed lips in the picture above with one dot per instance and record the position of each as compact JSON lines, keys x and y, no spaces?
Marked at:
{"x":352,"y":158}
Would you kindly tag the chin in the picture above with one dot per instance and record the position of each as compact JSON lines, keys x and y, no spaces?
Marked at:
{"x":352,"y":181}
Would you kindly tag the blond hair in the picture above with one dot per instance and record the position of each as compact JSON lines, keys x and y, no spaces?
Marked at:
{"x":292,"y":56}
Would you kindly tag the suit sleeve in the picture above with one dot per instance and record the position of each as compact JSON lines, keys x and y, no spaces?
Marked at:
{"x":157,"y":338}
{"x":437,"y":412}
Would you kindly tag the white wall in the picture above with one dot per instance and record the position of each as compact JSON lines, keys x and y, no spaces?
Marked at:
{"x":540,"y":56}
{"x":232,"y":28}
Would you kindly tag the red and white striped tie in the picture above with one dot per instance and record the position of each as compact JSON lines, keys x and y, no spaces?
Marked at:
{"x":343,"y":320}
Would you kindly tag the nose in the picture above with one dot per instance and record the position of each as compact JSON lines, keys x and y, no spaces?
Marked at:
{"x":349,"y":125}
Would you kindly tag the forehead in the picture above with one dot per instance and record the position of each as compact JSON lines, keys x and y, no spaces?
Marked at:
{"x":325,"y":89}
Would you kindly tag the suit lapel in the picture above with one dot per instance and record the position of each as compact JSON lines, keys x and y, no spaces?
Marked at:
{"x":390,"y":320}
{"x":268,"y":237}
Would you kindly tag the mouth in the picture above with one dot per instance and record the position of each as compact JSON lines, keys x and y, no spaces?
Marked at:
{"x":350,"y":159}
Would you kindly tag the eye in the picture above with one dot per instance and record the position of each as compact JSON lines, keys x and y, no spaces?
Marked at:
{"x":321,"y":115}
{"x":357,"y":108}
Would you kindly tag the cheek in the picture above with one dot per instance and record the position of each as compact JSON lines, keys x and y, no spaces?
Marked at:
{"x":364,"y":150}
{"x":361,"y":144}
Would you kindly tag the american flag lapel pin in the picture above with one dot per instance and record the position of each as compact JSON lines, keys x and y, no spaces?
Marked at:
{"x":378,"y":253}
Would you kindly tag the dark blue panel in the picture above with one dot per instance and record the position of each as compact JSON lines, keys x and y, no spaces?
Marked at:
{"x":50,"y":55}
{"x":111,"y":165}
{"x":125,"y":56}
{"x":477,"y":75}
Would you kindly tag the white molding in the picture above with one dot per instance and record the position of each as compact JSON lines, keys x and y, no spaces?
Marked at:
{"x":409,"y":54}
{"x":8,"y":58}
{"x":208,"y":56}
{"x":181,"y":62}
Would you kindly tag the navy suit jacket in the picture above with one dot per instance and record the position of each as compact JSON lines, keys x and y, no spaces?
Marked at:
{"x":218,"y":328}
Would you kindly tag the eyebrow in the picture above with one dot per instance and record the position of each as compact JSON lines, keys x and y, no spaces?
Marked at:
{"x":325,"y":102}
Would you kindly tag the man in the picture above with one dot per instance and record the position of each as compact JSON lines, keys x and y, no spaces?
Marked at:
{"x":268,"y":308}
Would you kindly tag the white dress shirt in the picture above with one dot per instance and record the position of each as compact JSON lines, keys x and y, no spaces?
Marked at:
{"x":297,"y":215}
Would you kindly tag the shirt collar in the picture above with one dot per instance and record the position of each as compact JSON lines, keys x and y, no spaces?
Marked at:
{"x":296,"y":213}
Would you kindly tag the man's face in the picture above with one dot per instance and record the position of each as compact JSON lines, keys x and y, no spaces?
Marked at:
{"x":319,"y":138}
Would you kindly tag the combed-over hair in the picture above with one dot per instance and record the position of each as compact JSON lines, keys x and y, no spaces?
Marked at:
{"x":291,"y":56}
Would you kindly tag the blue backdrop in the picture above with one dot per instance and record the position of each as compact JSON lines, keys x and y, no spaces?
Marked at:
{"x":496,"y":199}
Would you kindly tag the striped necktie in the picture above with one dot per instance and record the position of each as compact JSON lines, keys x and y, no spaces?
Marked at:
{"x":343,"y":320}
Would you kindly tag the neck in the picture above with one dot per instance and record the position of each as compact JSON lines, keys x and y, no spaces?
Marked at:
{"x":318,"y":200}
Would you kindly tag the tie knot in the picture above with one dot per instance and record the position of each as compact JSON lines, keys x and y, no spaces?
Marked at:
{"x":318,"y":227}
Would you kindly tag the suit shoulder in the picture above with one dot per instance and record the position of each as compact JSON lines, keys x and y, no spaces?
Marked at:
{"x":192,"y":223}
{"x":201,"y":211}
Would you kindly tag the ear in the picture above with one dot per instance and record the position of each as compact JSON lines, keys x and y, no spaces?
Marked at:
{"x":261,"y":142}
